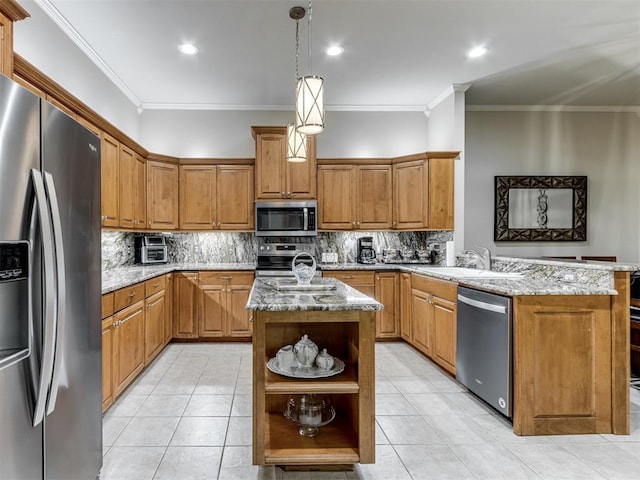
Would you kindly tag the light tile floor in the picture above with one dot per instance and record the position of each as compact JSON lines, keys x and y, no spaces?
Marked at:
{"x":188,"y":417}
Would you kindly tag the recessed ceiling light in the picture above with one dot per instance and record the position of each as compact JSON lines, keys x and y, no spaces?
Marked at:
{"x":335,"y":50}
{"x":477,"y":52}
{"x":188,"y":48}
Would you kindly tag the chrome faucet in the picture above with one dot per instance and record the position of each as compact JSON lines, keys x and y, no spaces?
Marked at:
{"x":482,"y":255}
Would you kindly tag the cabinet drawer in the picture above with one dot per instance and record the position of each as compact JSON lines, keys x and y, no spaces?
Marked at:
{"x":436,"y":287}
{"x":154,"y":285}
{"x":225,"y":278}
{"x":107,"y":304}
{"x":128,"y":296}
{"x":352,"y":277}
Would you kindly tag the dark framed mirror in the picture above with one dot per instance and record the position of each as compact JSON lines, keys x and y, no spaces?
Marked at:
{"x":541,"y":208}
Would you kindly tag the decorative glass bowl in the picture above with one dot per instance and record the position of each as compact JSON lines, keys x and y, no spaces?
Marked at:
{"x":302,"y":270}
{"x":309,"y":412}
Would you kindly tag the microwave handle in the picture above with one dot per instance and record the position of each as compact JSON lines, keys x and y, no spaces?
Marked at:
{"x":305,"y":212}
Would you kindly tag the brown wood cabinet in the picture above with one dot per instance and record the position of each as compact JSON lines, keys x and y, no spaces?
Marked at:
{"x":433,"y":319}
{"x":223,"y":297}
{"x":387,"y":288}
{"x":10,"y":12}
{"x":562,"y":365}
{"x":127,"y":186}
{"x":185,"y":316}
{"x":423,"y":191}
{"x":110,"y":181}
{"x":384,"y":287}
{"x":216,"y":197}
{"x":276,"y":178}
{"x":154,"y":322}
{"x":107,"y":351}
{"x":354,"y":197}
{"x":140,"y":193}
{"x":169,"y":308}
{"x":128,"y":345}
{"x":405,"y":307}
{"x":162,"y":195}
{"x":350,"y":437}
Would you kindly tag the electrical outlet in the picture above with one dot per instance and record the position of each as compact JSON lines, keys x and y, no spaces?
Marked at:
{"x":569,"y":277}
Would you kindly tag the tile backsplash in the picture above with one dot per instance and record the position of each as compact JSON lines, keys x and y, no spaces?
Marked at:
{"x":217,"y":247}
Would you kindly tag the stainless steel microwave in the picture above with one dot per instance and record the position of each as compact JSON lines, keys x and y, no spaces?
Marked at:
{"x":286,"y":219}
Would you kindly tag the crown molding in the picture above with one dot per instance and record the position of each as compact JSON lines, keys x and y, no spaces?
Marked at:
{"x":59,"y":19}
{"x":553,"y":108}
{"x":12,"y":10}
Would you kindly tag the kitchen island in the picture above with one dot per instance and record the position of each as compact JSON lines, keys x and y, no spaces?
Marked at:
{"x":340,"y":319}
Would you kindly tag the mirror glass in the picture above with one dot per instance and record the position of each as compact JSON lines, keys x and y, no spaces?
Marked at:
{"x":540,"y":208}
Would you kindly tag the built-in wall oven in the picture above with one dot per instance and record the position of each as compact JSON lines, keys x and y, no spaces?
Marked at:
{"x":286,"y":219}
{"x":483,"y":349}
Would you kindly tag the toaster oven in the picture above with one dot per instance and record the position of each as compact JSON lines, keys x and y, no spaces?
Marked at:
{"x":150,"y":249}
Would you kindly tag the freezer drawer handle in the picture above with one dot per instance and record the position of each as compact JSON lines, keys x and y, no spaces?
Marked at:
{"x":48,"y":349}
{"x":483,"y":305}
{"x":58,"y":363}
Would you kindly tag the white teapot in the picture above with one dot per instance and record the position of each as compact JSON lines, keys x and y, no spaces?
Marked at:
{"x":306,"y":351}
{"x":324,"y":361}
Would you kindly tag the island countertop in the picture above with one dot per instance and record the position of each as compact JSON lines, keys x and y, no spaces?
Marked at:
{"x":266,"y":295}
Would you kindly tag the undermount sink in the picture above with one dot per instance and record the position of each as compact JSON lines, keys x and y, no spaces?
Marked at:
{"x":472,"y":273}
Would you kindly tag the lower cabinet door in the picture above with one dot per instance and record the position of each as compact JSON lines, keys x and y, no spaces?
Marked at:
{"x":107,"y":352}
{"x":444,"y":337}
{"x":185,"y":311}
{"x":386,"y":289}
{"x":421,"y":309}
{"x":405,"y":307}
{"x":238,"y":324}
{"x":212,"y":311}
{"x":154,"y":321}
{"x":128,"y":345}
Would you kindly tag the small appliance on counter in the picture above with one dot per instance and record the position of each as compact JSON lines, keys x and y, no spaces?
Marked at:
{"x":150,"y":249}
{"x":366,"y":253}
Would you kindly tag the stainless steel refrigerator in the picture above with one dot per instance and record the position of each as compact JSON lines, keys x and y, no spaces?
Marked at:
{"x":50,"y":285}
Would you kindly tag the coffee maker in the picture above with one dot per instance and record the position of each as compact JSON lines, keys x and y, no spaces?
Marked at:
{"x":366,"y":253}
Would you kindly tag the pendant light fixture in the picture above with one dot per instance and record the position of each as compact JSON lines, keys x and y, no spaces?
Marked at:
{"x":296,"y":141}
{"x":309,"y":95}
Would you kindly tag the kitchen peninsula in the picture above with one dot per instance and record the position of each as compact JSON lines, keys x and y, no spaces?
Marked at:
{"x":340,"y":319}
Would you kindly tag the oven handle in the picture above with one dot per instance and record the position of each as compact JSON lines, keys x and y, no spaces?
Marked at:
{"x":305,"y":213}
{"x":483,"y":305}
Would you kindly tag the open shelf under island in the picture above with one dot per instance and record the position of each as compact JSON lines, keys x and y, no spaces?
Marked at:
{"x":341,"y":320}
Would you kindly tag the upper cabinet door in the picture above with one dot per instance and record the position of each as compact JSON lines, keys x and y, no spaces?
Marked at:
{"x":110,"y":181}
{"x":336,"y":202}
{"x":410,"y":195}
{"x":270,"y":167}
{"x":140,"y":217}
{"x":441,"y":188}
{"x":374,"y":188}
{"x":197,"y":197}
{"x":162,"y":196}
{"x":301,"y":176}
{"x":128,"y":181}
{"x":235,"y":197}
{"x":6,"y":46}
{"x":276,"y":178}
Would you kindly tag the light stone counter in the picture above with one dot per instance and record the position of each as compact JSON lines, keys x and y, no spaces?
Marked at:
{"x":124,"y":276}
{"x":267,"y":297}
{"x":540,"y":276}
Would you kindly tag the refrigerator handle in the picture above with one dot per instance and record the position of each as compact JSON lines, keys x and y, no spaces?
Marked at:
{"x":49,"y":334}
{"x":58,"y":361}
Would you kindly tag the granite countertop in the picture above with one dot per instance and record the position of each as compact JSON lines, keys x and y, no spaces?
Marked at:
{"x":267,"y":296}
{"x":539,"y":276}
{"x":124,"y":276}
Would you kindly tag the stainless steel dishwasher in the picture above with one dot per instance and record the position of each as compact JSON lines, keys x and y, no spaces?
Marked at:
{"x":483,"y":350}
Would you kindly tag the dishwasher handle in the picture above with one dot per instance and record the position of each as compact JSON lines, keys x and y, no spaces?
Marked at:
{"x":483,"y":305}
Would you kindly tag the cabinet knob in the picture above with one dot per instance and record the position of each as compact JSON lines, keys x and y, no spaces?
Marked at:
{"x":358,"y":223}
{"x":132,"y":294}
{"x":251,"y":319}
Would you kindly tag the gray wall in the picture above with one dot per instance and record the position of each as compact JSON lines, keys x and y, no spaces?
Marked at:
{"x":603,"y":146}
{"x":39,"y":40}
{"x":227,"y":134}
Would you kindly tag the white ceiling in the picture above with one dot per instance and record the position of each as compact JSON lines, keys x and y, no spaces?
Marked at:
{"x":399,"y":55}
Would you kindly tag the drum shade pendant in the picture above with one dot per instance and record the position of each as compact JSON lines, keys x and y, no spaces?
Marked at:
{"x":309,"y":93}
{"x":296,"y":145}
{"x":296,"y":141}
